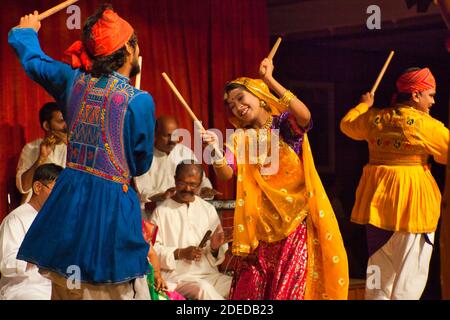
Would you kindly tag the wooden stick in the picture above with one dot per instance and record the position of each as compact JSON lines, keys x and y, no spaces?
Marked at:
{"x":55,"y":9}
{"x":380,"y":76}
{"x":274,"y":49}
{"x":138,"y":76}
{"x":188,"y":109}
{"x":180,"y":97}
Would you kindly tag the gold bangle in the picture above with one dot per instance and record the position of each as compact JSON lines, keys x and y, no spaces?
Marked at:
{"x":220,"y":163}
{"x":287,"y":98}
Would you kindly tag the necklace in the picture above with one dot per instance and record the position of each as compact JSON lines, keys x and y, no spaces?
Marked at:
{"x":268,"y":123}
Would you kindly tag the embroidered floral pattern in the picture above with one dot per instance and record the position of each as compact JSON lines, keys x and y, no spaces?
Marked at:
{"x":95,"y":143}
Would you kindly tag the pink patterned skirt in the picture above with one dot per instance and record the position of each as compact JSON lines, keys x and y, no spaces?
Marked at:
{"x":278,"y":272}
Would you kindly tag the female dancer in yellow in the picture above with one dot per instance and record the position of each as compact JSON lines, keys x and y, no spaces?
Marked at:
{"x":283,"y":220}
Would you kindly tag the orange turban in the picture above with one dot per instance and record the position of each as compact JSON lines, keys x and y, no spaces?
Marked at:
{"x":418,"y":80}
{"x":108,"y":34}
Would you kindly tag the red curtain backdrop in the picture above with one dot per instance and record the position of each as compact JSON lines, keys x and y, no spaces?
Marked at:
{"x":201,"y":44}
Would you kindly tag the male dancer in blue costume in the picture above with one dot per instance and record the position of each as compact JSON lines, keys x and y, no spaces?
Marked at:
{"x":91,"y":224}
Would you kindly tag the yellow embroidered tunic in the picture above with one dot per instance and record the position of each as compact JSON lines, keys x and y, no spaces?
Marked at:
{"x":397,"y":191}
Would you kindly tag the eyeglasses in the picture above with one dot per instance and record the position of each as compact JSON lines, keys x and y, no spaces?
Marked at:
{"x":49,"y":188}
{"x":186,"y":184}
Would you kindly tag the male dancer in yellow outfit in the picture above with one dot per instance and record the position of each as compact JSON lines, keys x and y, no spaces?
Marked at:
{"x":397,"y":197}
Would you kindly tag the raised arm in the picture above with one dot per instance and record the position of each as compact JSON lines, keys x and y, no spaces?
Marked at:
{"x":53,"y":75}
{"x":354,"y":123}
{"x":297,"y":108}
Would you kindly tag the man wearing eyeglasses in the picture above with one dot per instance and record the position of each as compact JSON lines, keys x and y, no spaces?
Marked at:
{"x":21,"y":280}
{"x":183,"y":221}
{"x":158,"y":184}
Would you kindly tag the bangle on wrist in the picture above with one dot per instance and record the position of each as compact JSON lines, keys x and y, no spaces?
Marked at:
{"x":286,"y":98}
{"x":219,"y":163}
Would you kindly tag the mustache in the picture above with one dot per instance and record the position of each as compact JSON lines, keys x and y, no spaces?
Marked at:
{"x":187,"y":193}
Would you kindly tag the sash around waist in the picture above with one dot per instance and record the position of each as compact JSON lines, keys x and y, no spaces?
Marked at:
{"x":99,"y":173}
{"x":397,"y":159}
{"x":397,"y":162}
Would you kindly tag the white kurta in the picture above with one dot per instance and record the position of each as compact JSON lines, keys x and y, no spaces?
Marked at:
{"x":181,"y":226}
{"x":30,"y":154}
{"x":160,"y":176}
{"x":18,"y":283}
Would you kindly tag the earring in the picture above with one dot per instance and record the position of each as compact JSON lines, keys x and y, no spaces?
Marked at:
{"x":262,"y":104}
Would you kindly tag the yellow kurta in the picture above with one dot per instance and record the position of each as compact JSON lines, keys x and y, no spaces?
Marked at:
{"x":397,"y":191}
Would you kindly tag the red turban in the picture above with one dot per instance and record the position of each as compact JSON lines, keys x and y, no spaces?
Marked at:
{"x":108,"y":34}
{"x":418,"y":80}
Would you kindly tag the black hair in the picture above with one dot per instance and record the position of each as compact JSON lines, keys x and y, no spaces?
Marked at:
{"x":186,"y":163}
{"x":47,"y":173}
{"x":46,"y":112}
{"x":231,"y":86}
{"x":113,"y":62}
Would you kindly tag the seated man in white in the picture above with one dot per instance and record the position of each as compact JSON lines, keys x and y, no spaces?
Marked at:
{"x":182,"y":222}
{"x":21,"y":280}
{"x":52,"y":148}
{"x":158,"y":183}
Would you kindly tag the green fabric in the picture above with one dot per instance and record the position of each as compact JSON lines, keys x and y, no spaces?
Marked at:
{"x":155,"y":295}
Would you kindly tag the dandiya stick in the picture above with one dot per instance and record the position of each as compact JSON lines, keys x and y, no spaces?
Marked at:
{"x":188,"y":109}
{"x":380,"y":76}
{"x":138,"y":76}
{"x":274,"y":49}
{"x":55,"y":9}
